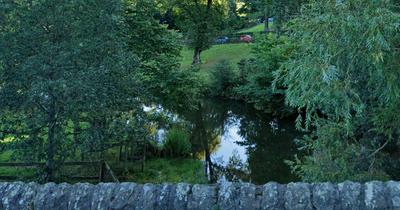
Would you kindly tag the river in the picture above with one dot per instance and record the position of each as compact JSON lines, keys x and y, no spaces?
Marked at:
{"x":239,"y":143}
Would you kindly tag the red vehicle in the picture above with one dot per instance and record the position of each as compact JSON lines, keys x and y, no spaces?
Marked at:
{"x":246,"y":38}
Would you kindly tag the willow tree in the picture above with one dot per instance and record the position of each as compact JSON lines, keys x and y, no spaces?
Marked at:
{"x":344,"y":82}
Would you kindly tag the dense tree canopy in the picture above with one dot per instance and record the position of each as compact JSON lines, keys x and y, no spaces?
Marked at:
{"x":198,"y":19}
{"x":344,"y":82}
{"x":257,"y":75}
{"x":159,"y":51}
{"x":72,"y":70}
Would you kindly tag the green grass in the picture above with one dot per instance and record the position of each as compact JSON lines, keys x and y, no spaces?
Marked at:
{"x":157,"y":170}
{"x":5,"y":156}
{"x":233,"y":52}
{"x":160,"y":170}
{"x":258,"y":28}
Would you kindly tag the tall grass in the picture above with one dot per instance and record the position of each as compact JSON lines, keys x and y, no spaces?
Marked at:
{"x":172,"y":170}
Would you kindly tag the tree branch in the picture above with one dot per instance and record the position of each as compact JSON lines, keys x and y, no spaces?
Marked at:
{"x":380,"y":148}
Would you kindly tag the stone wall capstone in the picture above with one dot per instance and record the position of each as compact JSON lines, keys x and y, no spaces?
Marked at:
{"x":230,"y":196}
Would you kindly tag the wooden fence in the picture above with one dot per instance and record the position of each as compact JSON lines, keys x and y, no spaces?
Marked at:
{"x":104,"y":167}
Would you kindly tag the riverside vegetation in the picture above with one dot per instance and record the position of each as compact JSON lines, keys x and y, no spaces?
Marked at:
{"x":67,"y":90}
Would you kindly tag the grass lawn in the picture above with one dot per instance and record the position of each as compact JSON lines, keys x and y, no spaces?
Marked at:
{"x":258,"y":28}
{"x":232,"y":52}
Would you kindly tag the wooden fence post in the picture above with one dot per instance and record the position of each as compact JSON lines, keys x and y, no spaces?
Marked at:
{"x":102,"y":171}
{"x":144,"y":155}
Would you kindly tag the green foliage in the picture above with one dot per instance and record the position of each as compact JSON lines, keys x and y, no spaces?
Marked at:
{"x":171,"y":170}
{"x":177,"y":143}
{"x":233,"y":52}
{"x":283,"y":11}
{"x":73,"y":73}
{"x":257,"y":75}
{"x":61,"y":63}
{"x":222,"y":78}
{"x":344,"y":83}
{"x":198,"y":19}
{"x":233,"y":20}
{"x":159,"y":53}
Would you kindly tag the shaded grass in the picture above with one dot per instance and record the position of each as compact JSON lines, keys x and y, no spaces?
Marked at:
{"x":5,"y":156}
{"x":157,"y":170}
{"x":233,"y":52}
{"x":171,"y":170}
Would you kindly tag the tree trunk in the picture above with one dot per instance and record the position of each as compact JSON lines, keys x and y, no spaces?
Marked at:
{"x":82,"y":155}
{"x":144,"y":154}
{"x":196,"y":56}
{"x":76,"y":128}
{"x":266,"y":20}
{"x":40,"y":154}
{"x":50,"y":138}
{"x":125,"y":160}
{"x":132,"y":151}
{"x":120,"y":153}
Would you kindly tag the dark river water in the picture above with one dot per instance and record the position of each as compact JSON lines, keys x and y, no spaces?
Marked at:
{"x":239,"y":143}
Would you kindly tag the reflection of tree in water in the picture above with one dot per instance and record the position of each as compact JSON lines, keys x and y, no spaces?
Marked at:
{"x":268,"y":142}
{"x":207,"y":126}
{"x":235,"y":170}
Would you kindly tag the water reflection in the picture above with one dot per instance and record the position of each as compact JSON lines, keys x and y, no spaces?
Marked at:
{"x":239,"y":143}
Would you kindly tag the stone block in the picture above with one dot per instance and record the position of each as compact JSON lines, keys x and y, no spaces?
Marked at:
{"x":325,"y":196}
{"x":350,"y":196}
{"x":298,"y":196}
{"x":123,"y":196}
{"x":247,"y":197}
{"x":271,"y":197}
{"x":376,"y":195}
{"x":102,"y":196}
{"x":394,"y":194}
{"x":227,"y":196}
{"x":203,"y":197}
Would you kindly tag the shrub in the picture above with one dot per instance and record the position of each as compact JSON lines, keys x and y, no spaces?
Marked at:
{"x":223,"y":79}
{"x":177,"y":143}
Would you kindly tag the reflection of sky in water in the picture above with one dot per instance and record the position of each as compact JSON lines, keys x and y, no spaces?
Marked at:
{"x":228,"y":144}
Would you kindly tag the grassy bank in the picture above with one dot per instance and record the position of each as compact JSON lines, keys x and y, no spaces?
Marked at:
{"x":172,"y":170}
{"x":233,"y":52}
{"x":258,"y":28}
{"x":157,"y":170}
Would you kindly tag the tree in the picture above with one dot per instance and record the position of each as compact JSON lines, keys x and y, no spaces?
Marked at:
{"x":257,"y":8}
{"x":257,"y":75}
{"x":344,"y":83}
{"x":61,"y":60}
{"x":198,"y":19}
{"x":74,"y":72}
{"x":282,"y":11}
{"x":159,"y":55}
{"x":233,"y":20}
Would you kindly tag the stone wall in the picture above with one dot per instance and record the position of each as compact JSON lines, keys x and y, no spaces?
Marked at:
{"x":326,"y":196}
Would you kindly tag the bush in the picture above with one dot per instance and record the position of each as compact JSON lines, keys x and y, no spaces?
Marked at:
{"x":223,"y":79}
{"x":177,"y":143}
{"x":257,"y":75}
